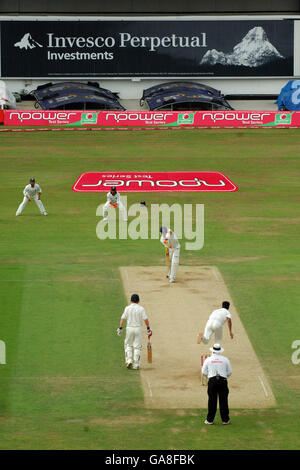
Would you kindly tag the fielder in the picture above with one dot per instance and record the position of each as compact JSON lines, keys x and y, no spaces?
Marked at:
{"x":113,"y":200}
{"x":135,"y":315}
{"x":214,"y":325}
{"x":32,"y":191}
{"x":172,"y":251}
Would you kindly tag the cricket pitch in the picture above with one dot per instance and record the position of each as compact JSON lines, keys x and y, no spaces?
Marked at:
{"x":177,"y":312}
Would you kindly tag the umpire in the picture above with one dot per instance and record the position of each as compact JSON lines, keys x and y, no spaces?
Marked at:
{"x":217,"y":368}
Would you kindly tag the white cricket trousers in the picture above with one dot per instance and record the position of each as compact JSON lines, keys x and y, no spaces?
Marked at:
{"x":121,"y":209}
{"x":133,"y":344}
{"x":25,"y":201}
{"x":174,"y":262}
{"x":213,"y":327}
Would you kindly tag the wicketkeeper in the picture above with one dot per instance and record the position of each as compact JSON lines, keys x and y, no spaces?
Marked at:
{"x":135,"y":315}
{"x":113,"y":200}
{"x":32,"y":191}
{"x":172,"y":251}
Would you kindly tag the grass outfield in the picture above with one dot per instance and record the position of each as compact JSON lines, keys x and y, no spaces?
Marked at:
{"x":64,"y":385}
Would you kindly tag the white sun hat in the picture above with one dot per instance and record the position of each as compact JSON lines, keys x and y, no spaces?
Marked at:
{"x":217,"y":348}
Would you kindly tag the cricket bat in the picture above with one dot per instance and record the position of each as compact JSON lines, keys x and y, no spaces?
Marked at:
{"x":167,"y":261}
{"x":149,"y":351}
{"x":167,"y":257}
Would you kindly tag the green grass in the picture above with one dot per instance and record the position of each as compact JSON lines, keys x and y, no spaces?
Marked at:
{"x":64,"y":385}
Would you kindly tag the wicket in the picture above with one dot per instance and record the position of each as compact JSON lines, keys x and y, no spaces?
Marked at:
{"x":203,"y":380}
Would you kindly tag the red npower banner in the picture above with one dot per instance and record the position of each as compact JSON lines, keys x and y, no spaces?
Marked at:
{"x":152,"y":118}
{"x":181,"y":181}
{"x":1,"y":116}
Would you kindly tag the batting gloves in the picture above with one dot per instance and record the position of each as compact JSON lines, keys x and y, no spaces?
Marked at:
{"x":119,"y":331}
{"x":149,"y":331}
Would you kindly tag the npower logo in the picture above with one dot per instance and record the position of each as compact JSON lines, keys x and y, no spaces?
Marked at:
{"x":179,"y":181}
{"x":50,"y":116}
{"x":235,"y":116}
{"x":134,"y":116}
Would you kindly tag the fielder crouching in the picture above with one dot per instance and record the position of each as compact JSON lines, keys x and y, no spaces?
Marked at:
{"x":135,"y":315}
{"x":32,"y":191}
{"x":114,"y":200}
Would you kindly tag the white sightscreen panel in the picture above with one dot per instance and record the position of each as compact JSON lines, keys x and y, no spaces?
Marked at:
{"x":0,"y":50}
{"x":297,"y":48}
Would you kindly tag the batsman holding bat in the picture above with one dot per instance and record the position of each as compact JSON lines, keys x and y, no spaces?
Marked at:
{"x":172,"y":251}
{"x":135,"y":315}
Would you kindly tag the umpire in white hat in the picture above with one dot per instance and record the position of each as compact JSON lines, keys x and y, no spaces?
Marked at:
{"x":217,"y":368}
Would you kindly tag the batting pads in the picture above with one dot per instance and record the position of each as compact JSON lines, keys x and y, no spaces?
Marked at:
{"x":133,"y":344}
{"x":174,"y":262}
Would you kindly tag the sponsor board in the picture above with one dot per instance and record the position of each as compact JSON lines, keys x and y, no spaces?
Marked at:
{"x":182,"y":181}
{"x":152,"y":118}
{"x":1,"y":116}
{"x":41,"y":117}
{"x":146,"y":47}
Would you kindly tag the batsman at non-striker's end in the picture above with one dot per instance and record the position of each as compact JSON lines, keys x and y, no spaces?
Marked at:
{"x":135,"y":315}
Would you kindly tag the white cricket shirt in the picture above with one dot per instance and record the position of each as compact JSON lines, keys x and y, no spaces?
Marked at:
{"x":169,"y":240}
{"x":216,"y":364}
{"x":114,"y":199}
{"x":220,"y":315}
{"x":135,"y":314}
{"x":32,"y":191}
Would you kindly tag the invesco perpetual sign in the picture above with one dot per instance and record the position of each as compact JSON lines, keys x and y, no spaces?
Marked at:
{"x":144,"y":46}
{"x":125,"y":39}
{"x":181,"y":181}
{"x":152,"y":43}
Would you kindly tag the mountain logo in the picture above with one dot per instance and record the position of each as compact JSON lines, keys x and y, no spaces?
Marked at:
{"x":254,"y":50}
{"x":27,"y":42}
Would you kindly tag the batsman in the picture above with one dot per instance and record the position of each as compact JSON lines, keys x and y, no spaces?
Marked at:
{"x":135,"y":315}
{"x":172,"y":251}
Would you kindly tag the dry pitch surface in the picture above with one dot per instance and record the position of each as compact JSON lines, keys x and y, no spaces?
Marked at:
{"x":177,"y":312}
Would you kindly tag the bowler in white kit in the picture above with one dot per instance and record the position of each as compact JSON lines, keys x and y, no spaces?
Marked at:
{"x":214,"y":325}
{"x":32,"y":191}
{"x":135,"y":315}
